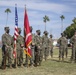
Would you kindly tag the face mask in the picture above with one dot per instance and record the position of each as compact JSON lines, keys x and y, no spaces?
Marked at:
{"x":39,"y":33}
{"x":50,"y":36}
{"x":30,"y":30}
{"x":7,"y":31}
{"x":19,"y":32}
{"x":45,"y":33}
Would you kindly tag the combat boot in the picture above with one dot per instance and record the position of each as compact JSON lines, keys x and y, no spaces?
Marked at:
{"x":51,"y":55}
{"x":10,"y":66}
{"x":45,"y":58}
{"x":66,"y":56}
{"x":59,"y":59}
{"x":16,"y":66}
{"x":3,"y":67}
{"x":22,"y":66}
{"x":39,"y":63}
{"x":62,"y":59}
{"x":35,"y":65}
{"x":15,"y":63}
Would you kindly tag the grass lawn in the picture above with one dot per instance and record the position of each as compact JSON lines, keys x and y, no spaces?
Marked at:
{"x":50,"y":67}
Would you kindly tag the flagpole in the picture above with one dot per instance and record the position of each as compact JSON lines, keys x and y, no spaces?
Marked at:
{"x":28,"y":37}
{"x":15,"y":41}
{"x":25,"y":6}
{"x":15,"y":5}
{"x":25,"y":50}
{"x":15,"y":36}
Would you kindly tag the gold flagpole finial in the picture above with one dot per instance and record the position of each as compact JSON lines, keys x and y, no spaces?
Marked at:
{"x":15,"y":4}
{"x":25,"y":6}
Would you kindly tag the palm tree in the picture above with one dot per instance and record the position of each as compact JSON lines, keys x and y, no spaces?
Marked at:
{"x":74,"y":20}
{"x":7,"y":11}
{"x":45,"y":19}
{"x":62,"y":17}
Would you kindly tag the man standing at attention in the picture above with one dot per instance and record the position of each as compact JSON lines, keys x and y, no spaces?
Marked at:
{"x":7,"y":50}
{"x":61,"y":42}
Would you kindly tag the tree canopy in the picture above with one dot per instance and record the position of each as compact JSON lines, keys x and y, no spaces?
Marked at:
{"x":45,"y":19}
{"x":69,"y":31}
{"x":7,"y":11}
{"x":62,"y":17}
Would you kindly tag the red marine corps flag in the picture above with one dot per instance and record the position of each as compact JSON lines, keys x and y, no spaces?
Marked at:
{"x":28,"y":35}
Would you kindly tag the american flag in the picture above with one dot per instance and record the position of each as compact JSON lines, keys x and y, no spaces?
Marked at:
{"x":16,"y":31}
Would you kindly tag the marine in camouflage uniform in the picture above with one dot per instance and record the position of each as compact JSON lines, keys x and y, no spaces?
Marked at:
{"x":32,"y":46}
{"x":66,"y":46}
{"x":51,"y":46}
{"x":20,"y":44}
{"x":45,"y":44}
{"x":38,"y":48}
{"x":73,"y":41}
{"x":32,"y":59}
{"x":19,"y":49}
{"x":61,"y":41}
{"x":6,"y":48}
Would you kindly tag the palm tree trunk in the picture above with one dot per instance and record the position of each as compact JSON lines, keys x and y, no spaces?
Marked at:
{"x":7,"y":19}
{"x":45,"y":26}
{"x":61,"y":26}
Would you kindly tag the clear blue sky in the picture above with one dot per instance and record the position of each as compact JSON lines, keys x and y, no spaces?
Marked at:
{"x":36,"y":10}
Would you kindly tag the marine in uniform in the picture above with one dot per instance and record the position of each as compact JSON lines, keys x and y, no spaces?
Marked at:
{"x":66,"y":46}
{"x":19,"y":49}
{"x":20,"y":45}
{"x":38,"y":48}
{"x":32,"y":59}
{"x":73,"y":41}
{"x":32,"y":47}
{"x":7,"y":48}
{"x":51,"y":46}
{"x":61,"y":41}
{"x":45,"y":44}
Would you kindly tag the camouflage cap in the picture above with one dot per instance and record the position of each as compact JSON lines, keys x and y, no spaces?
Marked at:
{"x":51,"y":35}
{"x":6,"y":28}
{"x":45,"y":32}
{"x":37,"y":30}
{"x":62,"y":34}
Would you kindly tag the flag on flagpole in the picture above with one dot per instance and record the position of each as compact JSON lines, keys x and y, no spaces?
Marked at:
{"x":28,"y":37}
{"x":16,"y":31}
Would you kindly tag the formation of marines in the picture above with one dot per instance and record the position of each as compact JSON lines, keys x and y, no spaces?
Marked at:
{"x":41,"y":47}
